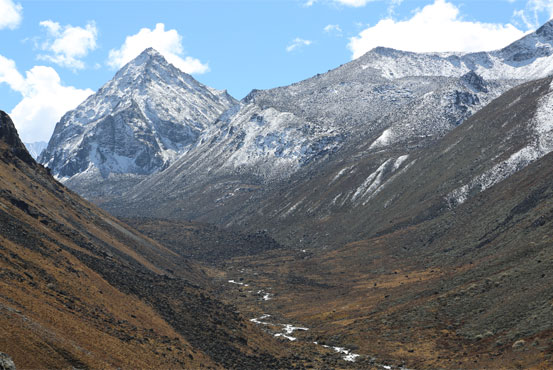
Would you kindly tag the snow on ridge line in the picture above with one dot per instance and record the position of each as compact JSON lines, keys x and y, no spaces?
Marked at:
{"x":155,"y":110}
{"x":498,"y":64}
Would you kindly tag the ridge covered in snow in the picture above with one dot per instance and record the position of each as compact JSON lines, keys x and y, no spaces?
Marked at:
{"x":369,"y":117}
{"x":539,"y":144}
{"x":526,"y":59}
{"x":137,"y":123}
{"x":380,"y":109}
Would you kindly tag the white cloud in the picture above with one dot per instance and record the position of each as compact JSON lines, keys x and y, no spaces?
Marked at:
{"x":298,"y":43}
{"x":10,"y":75}
{"x":44,"y":100}
{"x":530,"y":15}
{"x":68,"y":44}
{"x":10,"y":14}
{"x":333,"y":28}
{"x":309,"y":3}
{"x":168,"y":43}
{"x":437,"y":27}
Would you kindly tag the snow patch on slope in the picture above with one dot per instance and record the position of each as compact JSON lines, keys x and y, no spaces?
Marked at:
{"x":540,"y":145}
{"x":383,"y":140}
{"x":376,"y":181}
{"x":267,"y":142}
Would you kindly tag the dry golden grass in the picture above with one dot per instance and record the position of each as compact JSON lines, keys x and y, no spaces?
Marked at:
{"x":55,"y":312}
{"x":355,"y":293}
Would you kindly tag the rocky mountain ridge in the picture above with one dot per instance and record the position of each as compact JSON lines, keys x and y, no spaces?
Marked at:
{"x":355,"y":129}
{"x":376,"y":110}
{"x":136,"y":124}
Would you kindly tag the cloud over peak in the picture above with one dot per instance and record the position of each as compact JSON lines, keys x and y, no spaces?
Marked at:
{"x":437,"y":27}
{"x":168,"y":43}
{"x":298,"y":43}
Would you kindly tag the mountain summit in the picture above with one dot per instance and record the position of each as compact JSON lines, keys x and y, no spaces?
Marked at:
{"x":137,"y":123}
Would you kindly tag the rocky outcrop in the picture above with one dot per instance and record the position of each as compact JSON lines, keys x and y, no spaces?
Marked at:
{"x":6,"y":362}
{"x":9,"y":135}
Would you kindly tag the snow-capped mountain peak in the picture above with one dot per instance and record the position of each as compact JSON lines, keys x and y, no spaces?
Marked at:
{"x":137,"y":123}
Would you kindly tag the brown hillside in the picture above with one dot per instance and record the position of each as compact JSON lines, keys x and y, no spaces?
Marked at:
{"x":81,"y":289}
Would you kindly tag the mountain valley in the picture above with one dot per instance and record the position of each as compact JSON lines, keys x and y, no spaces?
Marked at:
{"x":393,"y":213}
{"x":81,"y":289}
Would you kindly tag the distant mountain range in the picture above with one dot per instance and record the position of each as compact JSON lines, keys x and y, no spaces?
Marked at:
{"x":36,"y":148}
{"x":364,"y":122}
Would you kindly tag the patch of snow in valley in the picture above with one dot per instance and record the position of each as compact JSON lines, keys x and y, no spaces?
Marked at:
{"x":262,"y":317}
{"x":285,"y":336}
{"x":347,"y":354}
{"x":264,"y":295}
{"x":351,"y":357}
{"x":237,"y":283}
{"x":289,"y":329}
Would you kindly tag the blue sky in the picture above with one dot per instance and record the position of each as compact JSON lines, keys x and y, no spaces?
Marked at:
{"x":55,"y":53}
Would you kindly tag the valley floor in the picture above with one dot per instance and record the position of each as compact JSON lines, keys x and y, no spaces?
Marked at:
{"x":391,"y":317}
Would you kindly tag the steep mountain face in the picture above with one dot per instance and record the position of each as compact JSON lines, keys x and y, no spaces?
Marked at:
{"x":363,"y":121}
{"x":81,"y":289}
{"x":362,"y":195}
{"x":136,"y":124}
